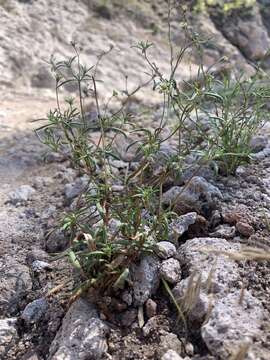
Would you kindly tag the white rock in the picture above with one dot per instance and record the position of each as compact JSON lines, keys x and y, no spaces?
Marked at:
{"x":219,"y":269}
{"x":194,"y":307}
{"x":82,"y":335}
{"x":168,"y":342}
{"x":171,"y":355}
{"x":21,"y":194}
{"x":39,"y":265}
{"x":145,"y":279}
{"x":181,"y":224}
{"x":165,"y":249}
{"x":170,"y":270}
{"x":8,"y":334}
{"x":232,"y":323}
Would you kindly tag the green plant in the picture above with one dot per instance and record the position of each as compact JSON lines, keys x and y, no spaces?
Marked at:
{"x":224,"y":6}
{"x":238,"y":112}
{"x":111,"y":228}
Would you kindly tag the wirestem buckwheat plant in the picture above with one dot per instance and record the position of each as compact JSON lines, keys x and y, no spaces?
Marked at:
{"x":113,"y":226}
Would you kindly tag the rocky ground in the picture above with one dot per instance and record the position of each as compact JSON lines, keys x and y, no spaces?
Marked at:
{"x":226,"y":299}
{"x":227,"y":310}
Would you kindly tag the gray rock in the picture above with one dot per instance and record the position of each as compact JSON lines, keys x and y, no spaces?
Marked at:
{"x":127,"y":297}
{"x":34,"y":311}
{"x":180,"y":225}
{"x":218,"y":269}
{"x":258,"y":143}
{"x":162,"y":157}
{"x":156,"y":325}
{"x":43,"y":78}
{"x":150,"y":308}
{"x":165,"y":249}
{"x":37,"y":254}
{"x":224,"y":231}
{"x":232,"y":323}
{"x":15,"y":283}
{"x":189,"y":349}
{"x":50,"y":211}
{"x":31,"y":355}
{"x":169,"y":341}
{"x":57,"y":241}
{"x":195,"y":306}
{"x":241,"y":171}
{"x":198,"y":195}
{"x":128,"y":317}
{"x":74,"y":189}
{"x":42,"y":181}
{"x":8,"y":335}
{"x":170,"y":270}
{"x":21,"y":194}
{"x":82,"y":335}
{"x":145,"y":279}
{"x":261,"y":154}
{"x":39,"y":266}
{"x":171,"y":355}
{"x":248,"y":34}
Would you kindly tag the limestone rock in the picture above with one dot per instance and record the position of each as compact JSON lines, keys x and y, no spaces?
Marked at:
{"x":171,"y":355}
{"x":8,"y":335}
{"x":232,"y":322}
{"x":170,"y":270}
{"x":34,"y":310}
{"x":197,"y":195}
{"x":180,"y":225}
{"x":165,"y":249}
{"x":145,"y":279}
{"x":82,"y":335}
{"x":217,"y":268}
{"x":21,"y":194}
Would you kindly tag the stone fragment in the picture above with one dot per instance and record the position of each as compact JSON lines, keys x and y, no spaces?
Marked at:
{"x":201,"y":255}
{"x":37,"y":254}
{"x":156,"y":325}
{"x":234,"y":320}
{"x":180,"y":225}
{"x":39,"y":266}
{"x":82,"y":335}
{"x":169,"y":341}
{"x":145,"y":279}
{"x":244,"y":228}
{"x":21,"y":194}
{"x":258,"y":143}
{"x":194,"y":304}
{"x":34,"y":311}
{"x":57,"y":241}
{"x":170,"y":270}
{"x":171,"y":355}
{"x":127,"y":297}
{"x":15,"y":283}
{"x":129,"y":317}
{"x":197,"y":195}
{"x":150,"y":308}
{"x":165,"y":249}
{"x":224,"y":231}
{"x":8,"y":335}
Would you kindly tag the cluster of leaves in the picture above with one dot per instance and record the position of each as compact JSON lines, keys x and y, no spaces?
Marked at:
{"x":225,"y":6}
{"x":112,"y":226}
